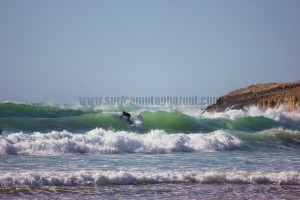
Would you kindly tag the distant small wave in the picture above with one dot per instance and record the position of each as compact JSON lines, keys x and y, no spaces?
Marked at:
{"x":98,"y":178}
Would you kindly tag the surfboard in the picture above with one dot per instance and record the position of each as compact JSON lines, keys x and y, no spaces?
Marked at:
{"x":125,"y":121}
{"x":136,"y":121}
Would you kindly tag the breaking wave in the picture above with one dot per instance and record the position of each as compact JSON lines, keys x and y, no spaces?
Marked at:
{"x":103,"y":142}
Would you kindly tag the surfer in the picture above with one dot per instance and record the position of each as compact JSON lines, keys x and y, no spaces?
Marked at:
{"x":1,"y":131}
{"x":126,"y":114}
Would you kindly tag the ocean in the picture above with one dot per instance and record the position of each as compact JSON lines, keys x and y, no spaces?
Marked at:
{"x":82,"y":152}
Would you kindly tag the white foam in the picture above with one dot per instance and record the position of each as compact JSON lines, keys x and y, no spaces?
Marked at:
{"x":278,"y":114}
{"x":15,"y":102}
{"x":107,"y":141}
{"x":98,"y":178}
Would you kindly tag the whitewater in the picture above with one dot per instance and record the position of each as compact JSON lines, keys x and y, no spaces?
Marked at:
{"x":50,"y":151}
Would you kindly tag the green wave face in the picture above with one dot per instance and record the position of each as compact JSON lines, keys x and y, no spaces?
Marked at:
{"x":252,"y":124}
{"x":170,"y":122}
{"x":75,"y":124}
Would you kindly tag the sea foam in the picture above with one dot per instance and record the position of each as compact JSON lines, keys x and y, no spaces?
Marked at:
{"x":278,"y":114}
{"x":107,"y":141}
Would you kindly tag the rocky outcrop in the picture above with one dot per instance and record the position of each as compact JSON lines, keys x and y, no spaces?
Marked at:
{"x":270,"y":95}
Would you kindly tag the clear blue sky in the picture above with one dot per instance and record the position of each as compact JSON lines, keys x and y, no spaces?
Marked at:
{"x":63,"y":49}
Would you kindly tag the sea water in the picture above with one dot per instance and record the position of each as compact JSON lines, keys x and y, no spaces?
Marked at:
{"x":59,"y":152}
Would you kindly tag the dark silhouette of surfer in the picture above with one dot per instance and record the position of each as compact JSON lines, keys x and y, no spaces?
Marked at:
{"x":1,"y":131}
{"x":126,"y":114}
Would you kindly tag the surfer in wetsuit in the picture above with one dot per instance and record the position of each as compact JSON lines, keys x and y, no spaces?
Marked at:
{"x":127,"y":115}
{"x":1,"y":131}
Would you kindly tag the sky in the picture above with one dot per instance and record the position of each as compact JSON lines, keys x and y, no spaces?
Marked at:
{"x":65,"y":49}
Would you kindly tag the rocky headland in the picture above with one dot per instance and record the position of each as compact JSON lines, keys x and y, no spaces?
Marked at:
{"x":270,"y":95}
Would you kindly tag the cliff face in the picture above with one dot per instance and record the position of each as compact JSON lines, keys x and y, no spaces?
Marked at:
{"x":270,"y":95}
